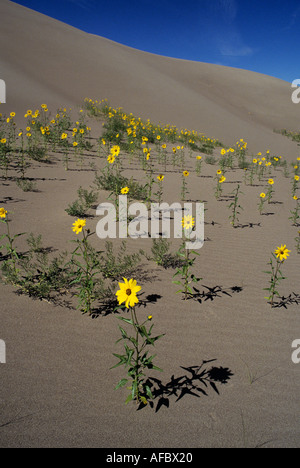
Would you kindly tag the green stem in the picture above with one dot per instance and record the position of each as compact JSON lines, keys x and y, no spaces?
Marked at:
{"x":87,"y":272}
{"x":274,"y":282}
{"x":186,"y":282}
{"x":137,"y":360}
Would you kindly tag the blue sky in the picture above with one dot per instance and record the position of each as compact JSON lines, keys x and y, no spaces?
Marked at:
{"x":262,"y":36}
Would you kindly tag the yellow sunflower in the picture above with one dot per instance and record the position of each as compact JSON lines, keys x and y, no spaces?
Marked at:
{"x":128,"y":293}
{"x":188,"y":222}
{"x":79,"y":225}
{"x":282,"y":252}
{"x":3,"y":213}
{"x":111,"y":159}
{"x":115,"y":150}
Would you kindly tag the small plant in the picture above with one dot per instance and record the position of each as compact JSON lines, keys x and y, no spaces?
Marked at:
{"x":4,"y":155}
{"x":252,"y":170}
{"x":160,"y":249}
{"x":85,"y":201}
{"x":85,"y":260}
{"x":219,"y":187}
{"x":184,"y":189}
{"x":270,"y":192}
{"x":40,"y":276}
{"x":150,"y":181}
{"x":87,"y":197}
{"x":280,"y":255}
{"x":286,"y":171}
{"x":252,"y":376}
{"x":136,"y":358}
{"x":295,"y":184}
{"x":36,"y":153}
{"x":211,"y":160}
{"x":187,"y":278}
{"x":297,"y":239}
{"x":199,"y":161}
{"x":164,"y":156}
{"x":159,"y":193}
{"x":110,"y":182}
{"x":10,"y":265}
{"x":76,"y":209}
{"x":241,"y":152}
{"x":234,"y":206}
{"x":26,"y":185}
{"x":116,"y":266}
{"x":296,"y":212}
{"x":22,"y":163}
{"x":261,"y":202}
{"x":161,"y":254}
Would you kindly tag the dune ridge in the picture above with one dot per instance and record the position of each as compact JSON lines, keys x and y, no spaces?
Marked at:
{"x":228,"y":379}
{"x":42,"y":58}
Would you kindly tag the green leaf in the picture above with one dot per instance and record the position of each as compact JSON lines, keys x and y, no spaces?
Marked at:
{"x":129,"y":356}
{"x":122,"y":361}
{"x":133,"y":341}
{"x":178,"y":273}
{"x":157,"y":368}
{"x":129,"y":399}
{"x":125,"y":320}
{"x":134,"y":389}
{"x":143,"y":332}
{"x":148,"y":392}
{"x":121,"y":384}
{"x":123,"y":332}
{"x":19,"y":235}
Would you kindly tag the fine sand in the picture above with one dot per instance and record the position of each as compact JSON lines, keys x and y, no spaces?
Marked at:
{"x":57,"y":389}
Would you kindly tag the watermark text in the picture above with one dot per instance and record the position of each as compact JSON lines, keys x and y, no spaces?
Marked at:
{"x":134,"y":221}
{"x":2,"y":92}
{"x":2,"y":352}
{"x":296,"y":93}
{"x":296,"y":353}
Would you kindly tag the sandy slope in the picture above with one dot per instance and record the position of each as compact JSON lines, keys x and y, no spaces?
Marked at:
{"x":56,"y":388}
{"x":45,"y":59}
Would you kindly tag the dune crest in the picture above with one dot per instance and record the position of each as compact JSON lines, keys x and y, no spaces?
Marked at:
{"x":45,"y":59}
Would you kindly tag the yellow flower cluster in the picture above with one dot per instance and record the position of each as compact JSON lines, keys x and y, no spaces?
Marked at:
{"x":139,"y":130}
{"x":241,"y":145}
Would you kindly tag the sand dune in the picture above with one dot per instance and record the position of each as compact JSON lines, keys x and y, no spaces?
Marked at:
{"x":44,"y":59}
{"x":57,"y":387}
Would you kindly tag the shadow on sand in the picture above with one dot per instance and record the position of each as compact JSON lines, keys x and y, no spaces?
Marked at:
{"x":196,"y":381}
